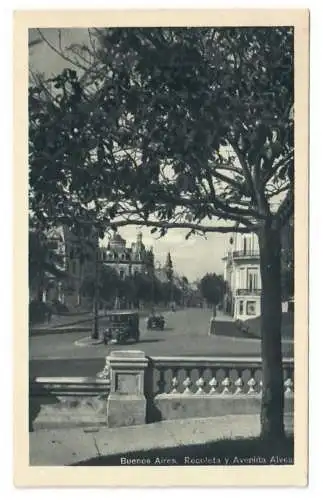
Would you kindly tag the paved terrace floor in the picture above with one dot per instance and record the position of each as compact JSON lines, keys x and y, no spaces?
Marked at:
{"x":68,"y":447}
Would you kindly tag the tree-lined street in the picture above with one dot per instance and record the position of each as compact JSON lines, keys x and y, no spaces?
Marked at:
{"x":185,"y":334}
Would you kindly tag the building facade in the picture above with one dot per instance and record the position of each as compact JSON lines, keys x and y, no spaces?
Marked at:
{"x":242,"y":274}
{"x":76,"y":262}
{"x":127,"y":261}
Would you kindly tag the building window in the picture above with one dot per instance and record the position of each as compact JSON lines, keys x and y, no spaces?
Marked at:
{"x":252,"y":279}
{"x":240,"y":307}
{"x":251,"y":308}
{"x":244,"y":245}
{"x":241,"y":278}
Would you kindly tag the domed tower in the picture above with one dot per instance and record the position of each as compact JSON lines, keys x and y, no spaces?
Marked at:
{"x":117,"y":243}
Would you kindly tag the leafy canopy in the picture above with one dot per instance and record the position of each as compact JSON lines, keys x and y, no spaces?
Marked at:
{"x":167,"y":127}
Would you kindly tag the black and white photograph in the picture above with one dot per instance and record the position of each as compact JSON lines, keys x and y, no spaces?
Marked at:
{"x":161,"y":234}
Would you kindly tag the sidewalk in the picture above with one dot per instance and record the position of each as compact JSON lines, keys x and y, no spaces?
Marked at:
{"x":66,"y":322}
{"x":81,"y":322}
{"x":68,"y":447}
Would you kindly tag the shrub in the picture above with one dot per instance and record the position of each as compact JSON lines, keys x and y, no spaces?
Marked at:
{"x":39,"y":311}
{"x":58,"y":307}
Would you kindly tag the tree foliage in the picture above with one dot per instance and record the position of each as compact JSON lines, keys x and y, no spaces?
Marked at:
{"x":170,"y":127}
{"x":186,"y":125}
{"x":212,"y":288}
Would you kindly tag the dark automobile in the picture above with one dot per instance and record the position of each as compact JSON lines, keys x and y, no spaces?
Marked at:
{"x":122,"y":326}
{"x":155,"y":322}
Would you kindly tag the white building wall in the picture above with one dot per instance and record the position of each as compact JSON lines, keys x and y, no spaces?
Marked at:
{"x":245,"y":241}
{"x":245,"y":276}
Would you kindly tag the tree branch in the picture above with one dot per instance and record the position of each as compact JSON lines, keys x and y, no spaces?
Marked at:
{"x":285,"y":210}
{"x":220,"y":204}
{"x":185,"y":225}
{"x":61,"y":54}
{"x":276,"y":166}
{"x":245,"y":169}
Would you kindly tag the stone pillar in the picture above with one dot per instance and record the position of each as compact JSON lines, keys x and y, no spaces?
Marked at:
{"x":126,"y":402}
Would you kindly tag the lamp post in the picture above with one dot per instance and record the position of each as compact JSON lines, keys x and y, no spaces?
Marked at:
{"x":169,"y":275}
{"x":95,"y":329}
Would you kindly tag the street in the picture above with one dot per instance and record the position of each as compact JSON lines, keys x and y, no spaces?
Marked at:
{"x":185,"y":334}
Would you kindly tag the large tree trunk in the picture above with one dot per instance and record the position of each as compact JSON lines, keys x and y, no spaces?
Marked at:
{"x":272,"y":406}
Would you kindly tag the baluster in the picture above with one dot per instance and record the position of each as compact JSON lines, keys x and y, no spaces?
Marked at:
{"x":288,"y":384}
{"x":187,"y":384}
{"x":161,"y":383}
{"x":200,"y":384}
{"x":226,"y":384}
{"x":105,"y":373}
{"x":213,"y":384}
{"x":251,"y":384}
{"x":239,"y":384}
{"x":174,"y":385}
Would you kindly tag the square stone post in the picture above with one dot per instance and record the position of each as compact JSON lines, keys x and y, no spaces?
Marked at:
{"x":126,"y":402}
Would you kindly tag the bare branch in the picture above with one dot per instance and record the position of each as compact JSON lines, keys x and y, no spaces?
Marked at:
{"x":61,"y":53}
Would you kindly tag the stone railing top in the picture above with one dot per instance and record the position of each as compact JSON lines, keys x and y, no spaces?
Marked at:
{"x":68,"y":386}
{"x":68,"y":380}
{"x":127,"y":354}
{"x":222,"y":361}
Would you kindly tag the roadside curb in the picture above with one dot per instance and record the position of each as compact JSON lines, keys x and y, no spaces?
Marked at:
{"x":58,"y":330}
{"x":87,"y":341}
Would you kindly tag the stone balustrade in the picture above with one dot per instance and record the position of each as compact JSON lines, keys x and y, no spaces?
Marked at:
{"x":186,"y":387}
{"x":212,"y":375}
{"x":133,"y":389}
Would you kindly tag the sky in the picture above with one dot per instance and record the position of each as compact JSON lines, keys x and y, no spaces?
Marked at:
{"x":192,"y":258}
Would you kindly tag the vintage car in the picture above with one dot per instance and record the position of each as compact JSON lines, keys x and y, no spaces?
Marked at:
{"x":122,"y":326}
{"x":155,"y":322}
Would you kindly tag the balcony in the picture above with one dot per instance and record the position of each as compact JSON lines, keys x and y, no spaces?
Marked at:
{"x":245,"y":254}
{"x":247,"y":291}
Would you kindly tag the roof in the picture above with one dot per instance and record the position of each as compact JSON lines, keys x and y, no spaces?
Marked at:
{"x":116,"y":238}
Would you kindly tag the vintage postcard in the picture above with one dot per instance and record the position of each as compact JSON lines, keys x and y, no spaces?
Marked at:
{"x":161,"y":177}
